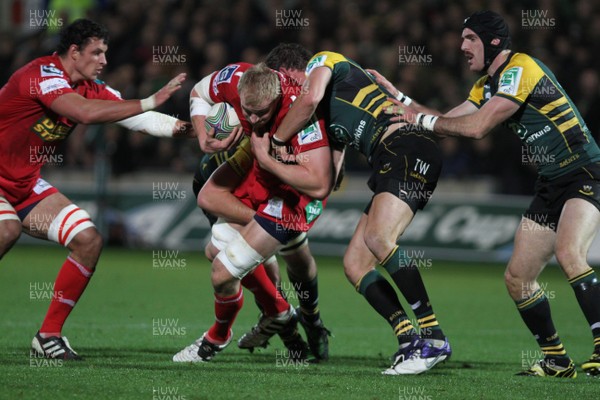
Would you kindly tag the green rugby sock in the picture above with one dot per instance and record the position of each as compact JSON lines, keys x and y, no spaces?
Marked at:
{"x":587,"y":291}
{"x":382,"y":297}
{"x":536,"y":314}
{"x":405,"y":273}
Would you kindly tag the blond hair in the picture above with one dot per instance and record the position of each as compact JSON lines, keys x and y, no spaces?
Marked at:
{"x":258,"y":84}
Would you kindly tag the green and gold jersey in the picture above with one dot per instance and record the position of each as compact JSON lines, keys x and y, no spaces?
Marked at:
{"x":555,"y":136}
{"x":352,"y":103}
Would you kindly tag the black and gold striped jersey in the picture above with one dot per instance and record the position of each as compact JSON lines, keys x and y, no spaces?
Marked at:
{"x":353,"y":103}
{"x":555,"y":137}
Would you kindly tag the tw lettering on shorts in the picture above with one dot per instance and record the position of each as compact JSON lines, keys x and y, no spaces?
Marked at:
{"x":417,"y":188}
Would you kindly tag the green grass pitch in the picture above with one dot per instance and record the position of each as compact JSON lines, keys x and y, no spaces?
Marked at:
{"x":135,"y":315}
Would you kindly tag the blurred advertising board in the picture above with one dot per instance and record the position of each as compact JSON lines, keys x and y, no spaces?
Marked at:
{"x":456,"y":227}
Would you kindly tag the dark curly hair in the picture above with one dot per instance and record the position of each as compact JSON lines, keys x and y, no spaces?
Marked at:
{"x":288,"y":55}
{"x":79,"y":33}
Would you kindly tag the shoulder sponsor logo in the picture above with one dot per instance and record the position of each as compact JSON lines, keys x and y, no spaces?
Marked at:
{"x":317,"y":61}
{"x":50,"y":70}
{"x":510,"y":81}
{"x":53,"y":84}
{"x":310,"y":134}
{"x":225,"y":76}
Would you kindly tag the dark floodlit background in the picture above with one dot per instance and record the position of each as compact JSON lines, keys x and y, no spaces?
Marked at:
{"x":203,"y":36}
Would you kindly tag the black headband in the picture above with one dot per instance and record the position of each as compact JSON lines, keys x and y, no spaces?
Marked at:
{"x":489,"y":25}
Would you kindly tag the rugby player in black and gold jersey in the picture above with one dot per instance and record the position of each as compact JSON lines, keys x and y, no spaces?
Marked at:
{"x":564,"y":216}
{"x":405,"y":166}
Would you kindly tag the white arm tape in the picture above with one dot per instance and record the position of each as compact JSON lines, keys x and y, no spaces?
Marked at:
{"x":404,"y":99}
{"x":200,"y":104}
{"x":149,"y":103}
{"x":427,"y":121}
{"x":151,"y":122}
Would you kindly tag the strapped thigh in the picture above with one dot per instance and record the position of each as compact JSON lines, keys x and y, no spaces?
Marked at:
{"x":69,"y":222}
{"x":7,"y":211}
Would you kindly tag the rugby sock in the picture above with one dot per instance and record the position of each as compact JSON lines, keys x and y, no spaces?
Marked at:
{"x":587,"y":291}
{"x":382,"y":297}
{"x":226,"y":309}
{"x":536,"y":314}
{"x":407,"y":277}
{"x":70,"y":283}
{"x":308,"y":298}
{"x":270,"y":301}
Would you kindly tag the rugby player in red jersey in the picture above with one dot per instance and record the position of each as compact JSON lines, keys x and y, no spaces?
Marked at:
{"x":222,"y":86}
{"x":40,"y":105}
{"x":282,"y":212}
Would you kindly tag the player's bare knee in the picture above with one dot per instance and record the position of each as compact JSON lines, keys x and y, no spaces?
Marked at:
{"x":210,"y":251}
{"x":519,"y":286}
{"x":223,"y":283}
{"x":223,"y":288}
{"x":511,"y":281}
{"x":351,"y":269}
{"x":10,"y":231}
{"x":301,"y":266}
{"x":570,"y":259}
{"x":87,"y":243}
{"x":380,"y":245}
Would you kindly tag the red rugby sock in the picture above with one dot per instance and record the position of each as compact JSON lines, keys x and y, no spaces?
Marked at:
{"x":226,"y":309}
{"x":70,"y":283}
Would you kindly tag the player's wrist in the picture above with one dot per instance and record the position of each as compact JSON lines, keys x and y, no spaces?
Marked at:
{"x":427,"y":121}
{"x":275,"y":141}
{"x":404,"y":99}
{"x":149,"y":103}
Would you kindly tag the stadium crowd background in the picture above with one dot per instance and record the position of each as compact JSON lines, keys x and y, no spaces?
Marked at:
{"x":151,"y":41}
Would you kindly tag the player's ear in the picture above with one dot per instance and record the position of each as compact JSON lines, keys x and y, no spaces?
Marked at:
{"x":73,"y":50}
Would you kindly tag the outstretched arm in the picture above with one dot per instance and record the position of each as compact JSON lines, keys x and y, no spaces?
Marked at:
{"x":92,"y":111}
{"x":465,"y":120}
{"x":401,"y":97}
{"x":158,"y":124}
{"x":479,"y":123}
